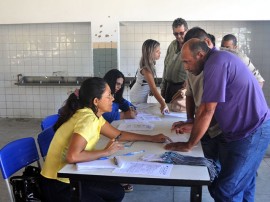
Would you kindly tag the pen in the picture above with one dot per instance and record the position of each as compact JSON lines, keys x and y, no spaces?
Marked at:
{"x":115,"y":161}
{"x":133,"y":153}
{"x":103,"y":158}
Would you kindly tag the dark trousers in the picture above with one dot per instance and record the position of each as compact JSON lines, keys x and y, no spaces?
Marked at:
{"x":171,"y":89}
{"x":92,"y":191}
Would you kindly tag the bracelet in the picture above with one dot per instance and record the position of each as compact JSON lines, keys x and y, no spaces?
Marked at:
{"x":118,"y":137}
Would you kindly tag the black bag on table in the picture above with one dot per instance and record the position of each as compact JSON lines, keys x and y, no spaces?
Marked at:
{"x":26,"y":188}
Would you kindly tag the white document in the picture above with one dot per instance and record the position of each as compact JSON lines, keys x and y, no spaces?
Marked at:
{"x":145,"y":168}
{"x":141,"y":126}
{"x":106,"y":163}
{"x":177,"y":114}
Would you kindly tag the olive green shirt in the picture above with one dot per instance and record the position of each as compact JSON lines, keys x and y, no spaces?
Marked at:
{"x":173,"y":67}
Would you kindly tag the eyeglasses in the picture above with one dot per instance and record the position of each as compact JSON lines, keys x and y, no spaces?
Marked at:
{"x":110,"y":96}
{"x":179,"y":33}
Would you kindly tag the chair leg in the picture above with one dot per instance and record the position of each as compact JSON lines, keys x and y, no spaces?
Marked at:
{"x":11,"y":196}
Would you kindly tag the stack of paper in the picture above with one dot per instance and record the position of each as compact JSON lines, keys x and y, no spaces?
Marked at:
{"x":107,"y":163}
{"x":115,"y":162}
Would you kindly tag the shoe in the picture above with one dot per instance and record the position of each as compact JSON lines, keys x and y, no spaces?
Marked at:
{"x":127,"y":188}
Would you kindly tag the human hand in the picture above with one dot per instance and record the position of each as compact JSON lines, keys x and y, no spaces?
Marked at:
{"x":178,"y":146}
{"x":164,"y":109}
{"x":177,"y":124}
{"x":161,"y":138}
{"x":183,"y":128}
{"x":130,"y":114}
{"x":113,"y":146}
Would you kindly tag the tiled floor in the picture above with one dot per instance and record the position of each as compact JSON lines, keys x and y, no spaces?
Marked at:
{"x":11,"y":129}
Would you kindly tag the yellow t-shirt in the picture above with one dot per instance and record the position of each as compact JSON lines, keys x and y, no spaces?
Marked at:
{"x":85,"y":123}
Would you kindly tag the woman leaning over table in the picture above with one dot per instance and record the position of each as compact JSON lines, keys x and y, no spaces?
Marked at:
{"x":145,"y":80}
{"x":78,"y":130}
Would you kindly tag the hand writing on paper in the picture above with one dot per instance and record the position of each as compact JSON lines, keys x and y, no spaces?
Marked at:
{"x":178,"y":146}
{"x":161,"y":138}
{"x":131,"y":113}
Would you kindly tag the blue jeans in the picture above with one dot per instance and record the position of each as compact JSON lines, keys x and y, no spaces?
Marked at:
{"x":239,"y":162}
{"x":210,"y":148}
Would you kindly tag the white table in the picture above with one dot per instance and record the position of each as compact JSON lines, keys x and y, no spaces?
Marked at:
{"x":181,"y":175}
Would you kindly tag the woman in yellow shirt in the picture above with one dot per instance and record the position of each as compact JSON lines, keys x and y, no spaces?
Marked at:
{"x":78,"y":130}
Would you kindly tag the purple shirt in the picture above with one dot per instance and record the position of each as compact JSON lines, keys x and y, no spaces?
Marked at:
{"x":241,"y":104}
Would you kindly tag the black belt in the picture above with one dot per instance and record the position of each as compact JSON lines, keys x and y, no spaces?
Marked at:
{"x":172,"y":83}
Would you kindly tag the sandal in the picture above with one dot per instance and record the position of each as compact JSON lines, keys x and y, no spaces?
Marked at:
{"x":127,"y":188}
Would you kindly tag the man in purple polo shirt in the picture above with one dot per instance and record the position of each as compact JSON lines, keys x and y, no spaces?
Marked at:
{"x":233,"y":96}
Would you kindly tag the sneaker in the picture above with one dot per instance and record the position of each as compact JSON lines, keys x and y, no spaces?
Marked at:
{"x":127,"y":187}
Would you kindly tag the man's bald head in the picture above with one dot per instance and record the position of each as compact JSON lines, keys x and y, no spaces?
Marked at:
{"x":193,"y":55}
{"x":195,"y":45}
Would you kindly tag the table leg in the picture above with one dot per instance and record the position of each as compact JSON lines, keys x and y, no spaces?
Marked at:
{"x":75,"y":188}
{"x":196,"y":194}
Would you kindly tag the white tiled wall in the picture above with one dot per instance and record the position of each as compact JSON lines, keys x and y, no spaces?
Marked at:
{"x":41,"y":50}
{"x":253,"y":39}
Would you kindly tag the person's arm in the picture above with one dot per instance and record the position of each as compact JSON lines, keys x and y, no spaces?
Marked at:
{"x":252,"y":68}
{"x":190,"y":108}
{"x":151,"y":82}
{"x":111,"y":132}
{"x":128,"y":110}
{"x":202,"y":121}
{"x":163,"y":84}
{"x":181,"y":126}
{"x":113,"y":115}
{"x":76,"y":151}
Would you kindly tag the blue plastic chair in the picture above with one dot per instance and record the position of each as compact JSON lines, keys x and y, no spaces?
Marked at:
{"x":44,"y":139}
{"x":49,"y":121}
{"x":15,"y":156}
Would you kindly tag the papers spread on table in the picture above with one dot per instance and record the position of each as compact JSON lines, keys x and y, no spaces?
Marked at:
{"x":104,"y":163}
{"x":143,"y":117}
{"x":141,"y":126}
{"x":122,"y":165}
{"x":145,"y":168}
{"x":177,"y":114}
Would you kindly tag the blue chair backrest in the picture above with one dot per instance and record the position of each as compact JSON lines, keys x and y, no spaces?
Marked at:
{"x":15,"y":156}
{"x":49,"y":121}
{"x":44,"y":139}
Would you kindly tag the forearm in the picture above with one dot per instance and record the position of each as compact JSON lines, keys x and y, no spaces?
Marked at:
{"x":159,"y":98}
{"x":190,"y":107}
{"x":201,"y":123}
{"x":129,"y":136}
{"x":83,"y":156}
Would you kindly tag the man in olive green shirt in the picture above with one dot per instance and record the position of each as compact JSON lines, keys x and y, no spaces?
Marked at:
{"x":174,"y":75}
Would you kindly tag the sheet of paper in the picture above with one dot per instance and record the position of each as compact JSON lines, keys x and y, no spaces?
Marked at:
{"x":136,"y":126}
{"x":145,"y":168}
{"x":177,"y":114}
{"x":142,"y":117}
{"x":106,"y":163}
